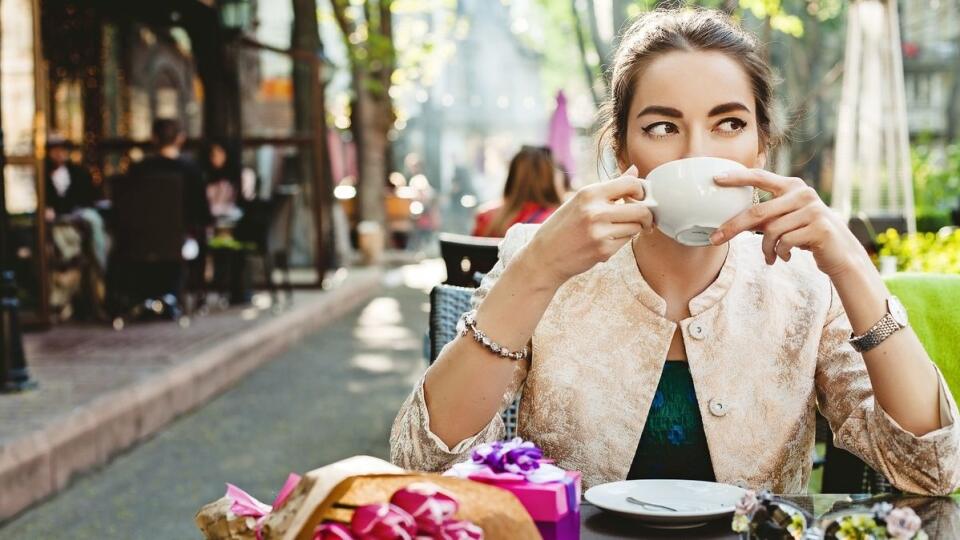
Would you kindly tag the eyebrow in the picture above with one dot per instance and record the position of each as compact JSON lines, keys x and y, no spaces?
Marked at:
{"x":675,"y":113}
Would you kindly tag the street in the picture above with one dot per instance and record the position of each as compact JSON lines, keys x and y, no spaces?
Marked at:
{"x":330,"y":396}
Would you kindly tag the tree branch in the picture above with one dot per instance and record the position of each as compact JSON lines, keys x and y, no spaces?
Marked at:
{"x":581,"y":44}
{"x":603,"y":49}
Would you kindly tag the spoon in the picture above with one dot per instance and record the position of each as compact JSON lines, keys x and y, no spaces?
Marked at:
{"x":651,"y":505}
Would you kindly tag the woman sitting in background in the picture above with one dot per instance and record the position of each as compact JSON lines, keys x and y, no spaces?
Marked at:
{"x":529,"y":196}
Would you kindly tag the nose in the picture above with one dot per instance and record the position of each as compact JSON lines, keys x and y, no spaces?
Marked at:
{"x":696,"y":145}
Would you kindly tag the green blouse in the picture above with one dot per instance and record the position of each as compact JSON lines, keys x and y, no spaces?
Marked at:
{"x":673,"y":444}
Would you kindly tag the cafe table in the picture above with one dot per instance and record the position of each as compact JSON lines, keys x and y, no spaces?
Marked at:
{"x":940,"y":515}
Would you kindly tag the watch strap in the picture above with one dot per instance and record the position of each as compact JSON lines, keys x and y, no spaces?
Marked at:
{"x":877,"y":334}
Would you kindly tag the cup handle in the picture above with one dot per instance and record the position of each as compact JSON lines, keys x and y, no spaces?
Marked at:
{"x":648,"y":199}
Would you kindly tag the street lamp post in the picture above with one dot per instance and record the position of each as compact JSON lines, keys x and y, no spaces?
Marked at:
{"x":14,"y":376}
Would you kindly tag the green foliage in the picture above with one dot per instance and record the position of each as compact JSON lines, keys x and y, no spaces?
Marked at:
{"x":933,"y":221}
{"x":780,"y":19}
{"x":230,"y":243}
{"x":922,"y":252}
{"x":936,"y":181}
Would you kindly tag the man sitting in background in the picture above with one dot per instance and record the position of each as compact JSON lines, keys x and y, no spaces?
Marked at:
{"x":76,"y":232}
{"x":153,"y":239}
{"x":68,"y":186}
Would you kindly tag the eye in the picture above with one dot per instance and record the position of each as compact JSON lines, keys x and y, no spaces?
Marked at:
{"x":730,"y":126}
{"x":660,"y":130}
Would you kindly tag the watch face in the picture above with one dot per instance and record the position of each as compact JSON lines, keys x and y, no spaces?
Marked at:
{"x":897,"y":310}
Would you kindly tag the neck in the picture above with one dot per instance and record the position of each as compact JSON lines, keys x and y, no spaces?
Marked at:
{"x":676,"y":271}
{"x":170,"y":152}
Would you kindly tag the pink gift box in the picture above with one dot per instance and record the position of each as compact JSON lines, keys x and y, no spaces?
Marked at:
{"x":554,"y":506}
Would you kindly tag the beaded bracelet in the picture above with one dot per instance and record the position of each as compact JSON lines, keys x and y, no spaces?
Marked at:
{"x":468,"y":324}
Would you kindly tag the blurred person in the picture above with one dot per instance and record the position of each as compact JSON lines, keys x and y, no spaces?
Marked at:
{"x":221,"y":184}
{"x":165,"y":281}
{"x":76,"y":231}
{"x":168,"y":138}
{"x":529,"y":194}
{"x":68,"y":186}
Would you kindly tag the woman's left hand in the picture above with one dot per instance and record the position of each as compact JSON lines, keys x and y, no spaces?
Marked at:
{"x":794,"y":217}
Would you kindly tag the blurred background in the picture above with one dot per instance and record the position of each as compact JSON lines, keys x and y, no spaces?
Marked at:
{"x":191,"y":160}
{"x":403,"y":115}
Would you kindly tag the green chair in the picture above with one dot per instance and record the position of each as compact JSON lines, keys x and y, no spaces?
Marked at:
{"x":931,"y":301}
{"x":933,"y":304}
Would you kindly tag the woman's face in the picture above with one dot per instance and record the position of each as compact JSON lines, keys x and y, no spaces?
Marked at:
{"x":217,"y":156}
{"x":690,"y":104}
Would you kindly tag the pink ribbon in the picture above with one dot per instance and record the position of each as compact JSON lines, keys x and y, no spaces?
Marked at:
{"x":246,"y":505}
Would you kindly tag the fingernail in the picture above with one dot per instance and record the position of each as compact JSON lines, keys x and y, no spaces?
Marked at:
{"x":721,"y":176}
{"x":716,"y":237}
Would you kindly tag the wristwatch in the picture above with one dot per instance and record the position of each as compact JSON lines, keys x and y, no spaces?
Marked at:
{"x":894,"y":320}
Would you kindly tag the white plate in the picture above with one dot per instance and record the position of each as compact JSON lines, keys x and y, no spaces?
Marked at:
{"x":697,"y":502}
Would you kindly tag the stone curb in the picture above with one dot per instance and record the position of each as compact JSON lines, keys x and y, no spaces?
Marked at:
{"x":43,"y":462}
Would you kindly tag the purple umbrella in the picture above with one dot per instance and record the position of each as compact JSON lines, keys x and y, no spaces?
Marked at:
{"x":561,"y":134}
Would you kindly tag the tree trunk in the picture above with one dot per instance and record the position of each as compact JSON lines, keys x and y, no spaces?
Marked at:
{"x":310,"y":118}
{"x":372,"y":144}
{"x":602,"y":47}
{"x":582,"y":45}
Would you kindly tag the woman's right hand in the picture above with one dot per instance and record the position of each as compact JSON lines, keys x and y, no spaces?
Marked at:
{"x":589,"y":228}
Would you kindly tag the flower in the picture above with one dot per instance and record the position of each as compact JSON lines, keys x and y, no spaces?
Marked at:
{"x":676,"y":436}
{"x":429,"y":505}
{"x":903,"y":523}
{"x":332,"y":531}
{"x":747,"y":504}
{"x":459,"y":530}
{"x":658,"y":400}
{"x":741,"y":523}
{"x":797,"y":526}
{"x":383,"y":521}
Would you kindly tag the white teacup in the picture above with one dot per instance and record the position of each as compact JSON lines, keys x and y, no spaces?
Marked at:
{"x":686,"y":202}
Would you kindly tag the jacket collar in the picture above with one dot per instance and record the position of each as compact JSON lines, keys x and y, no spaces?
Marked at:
{"x":624,"y":264}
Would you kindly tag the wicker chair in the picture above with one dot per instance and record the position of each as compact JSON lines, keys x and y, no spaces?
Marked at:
{"x":447,"y":304}
{"x":467,"y":256}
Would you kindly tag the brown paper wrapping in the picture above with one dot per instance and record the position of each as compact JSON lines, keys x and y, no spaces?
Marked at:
{"x":364,"y":480}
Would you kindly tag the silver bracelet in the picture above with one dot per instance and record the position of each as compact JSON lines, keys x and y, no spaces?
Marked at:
{"x":468,"y":324}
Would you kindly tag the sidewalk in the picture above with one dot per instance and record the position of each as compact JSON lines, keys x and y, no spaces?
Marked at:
{"x":102,"y":390}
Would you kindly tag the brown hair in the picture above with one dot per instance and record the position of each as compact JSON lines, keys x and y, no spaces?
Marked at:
{"x":530,"y":180}
{"x":667,"y":30}
{"x":166,"y":131}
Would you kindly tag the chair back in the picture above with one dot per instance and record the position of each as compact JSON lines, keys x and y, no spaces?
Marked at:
{"x":931,"y":301}
{"x":866,"y":228}
{"x":148,"y":221}
{"x":467,"y":256}
{"x":447,"y":304}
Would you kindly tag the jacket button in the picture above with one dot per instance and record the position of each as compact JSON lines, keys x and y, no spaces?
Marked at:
{"x":717,"y":407}
{"x":697,"y":330}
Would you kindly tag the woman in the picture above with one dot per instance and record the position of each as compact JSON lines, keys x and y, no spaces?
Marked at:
{"x":652,"y":359}
{"x":529,"y":195}
{"x":221,"y":184}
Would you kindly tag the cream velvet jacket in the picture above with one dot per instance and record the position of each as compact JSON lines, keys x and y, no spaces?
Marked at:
{"x":766,"y":346}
